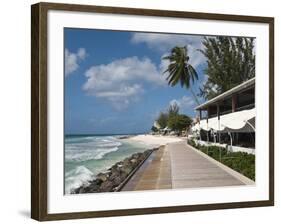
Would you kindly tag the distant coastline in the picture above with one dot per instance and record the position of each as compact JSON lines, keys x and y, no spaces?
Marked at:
{"x":103,"y":134}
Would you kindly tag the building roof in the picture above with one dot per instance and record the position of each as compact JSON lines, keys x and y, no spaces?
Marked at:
{"x":242,"y":86}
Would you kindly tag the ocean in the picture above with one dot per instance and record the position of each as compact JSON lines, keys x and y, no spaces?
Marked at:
{"x":87,"y":155}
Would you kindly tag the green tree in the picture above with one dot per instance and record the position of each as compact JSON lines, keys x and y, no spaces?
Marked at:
{"x":230,"y":61}
{"x":173,"y":110}
{"x":163,"y":119}
{"x":179,"y":122}
{"x":180,"y":70}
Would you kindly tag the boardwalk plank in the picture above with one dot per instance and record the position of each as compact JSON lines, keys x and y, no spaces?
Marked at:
{"x":178,"y":166}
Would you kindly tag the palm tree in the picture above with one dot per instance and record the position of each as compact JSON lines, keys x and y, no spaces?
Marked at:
{"x":180,"y":70}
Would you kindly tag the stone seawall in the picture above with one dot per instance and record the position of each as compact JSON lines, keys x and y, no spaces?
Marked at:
{"x":113,"y":178}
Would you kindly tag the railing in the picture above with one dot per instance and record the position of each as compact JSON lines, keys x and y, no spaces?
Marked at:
{"x":249,"y":106}
{"x":225,"y":112}
{"x":131,"y":174}
{"x":213,"y":115}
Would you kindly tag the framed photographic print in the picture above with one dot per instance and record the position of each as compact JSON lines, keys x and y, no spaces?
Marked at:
{"x":138,"y":111}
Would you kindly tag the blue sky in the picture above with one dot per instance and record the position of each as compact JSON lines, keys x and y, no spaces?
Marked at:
{"x":114,"y":80}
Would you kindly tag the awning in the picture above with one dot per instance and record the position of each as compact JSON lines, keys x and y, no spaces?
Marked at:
{"x":237,"y":120}
{"x":240,"y":121}
{"x":212,"y":123}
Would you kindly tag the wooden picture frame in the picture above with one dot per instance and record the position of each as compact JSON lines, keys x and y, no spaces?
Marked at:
{"x":39,"y":110}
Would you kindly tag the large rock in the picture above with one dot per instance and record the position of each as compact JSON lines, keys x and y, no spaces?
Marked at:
{"x":127,"y":169}
{"x":102,"y":176}
{"x":117,"y":181}
{"x":106,"y":186}
{"x":126,"y":162}
{"x":114,"y":176}
{"x":92,"y":188}
{"x":114,"y":172}
{"x":134,"y":161}
{"x":136,"y":155}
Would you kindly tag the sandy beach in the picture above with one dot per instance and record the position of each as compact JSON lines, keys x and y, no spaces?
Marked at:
{"x":155,"y":140}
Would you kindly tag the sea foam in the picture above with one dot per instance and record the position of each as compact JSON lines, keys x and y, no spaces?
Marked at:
{"x":77,"y":177}
{"x":90,"y":148}
{"x":86,"y":156}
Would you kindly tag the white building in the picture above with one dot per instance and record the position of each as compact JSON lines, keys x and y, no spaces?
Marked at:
{"x":229,"y":119}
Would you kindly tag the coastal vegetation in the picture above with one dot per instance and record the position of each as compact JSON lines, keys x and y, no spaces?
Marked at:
{"x":230,"y":62}
{"x":173,"y":120}
{"x":180,"y":71}
{"x":179,"y":122}
{"x":242,"y":162}
{"x":162,"y":120}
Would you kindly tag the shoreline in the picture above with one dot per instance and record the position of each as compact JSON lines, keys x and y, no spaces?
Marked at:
{"x":154,"y":140}
{"x":161,"y":167}
{"x":115,"y":177}
{"x":111,"y":179}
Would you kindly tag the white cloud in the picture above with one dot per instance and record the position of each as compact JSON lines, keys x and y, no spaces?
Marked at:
{"x":185,"y":102}
{"x":164,"y":63}
{"x":165,"y":42}
{"x":196,"y":57}
{"x":72,"y":60}
{"x":81,"y":53}
{"x":121,"y":81}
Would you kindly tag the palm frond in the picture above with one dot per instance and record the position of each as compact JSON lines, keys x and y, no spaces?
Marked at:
{"x":179,"y":70}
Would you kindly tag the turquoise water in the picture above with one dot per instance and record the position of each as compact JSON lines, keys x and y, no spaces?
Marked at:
{"x":87,"y":155}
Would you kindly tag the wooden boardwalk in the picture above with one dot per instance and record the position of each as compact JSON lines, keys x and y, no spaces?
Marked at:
{"x":176,"y":165}
{"x":155,"y":173}
{"x":190,"y":169}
